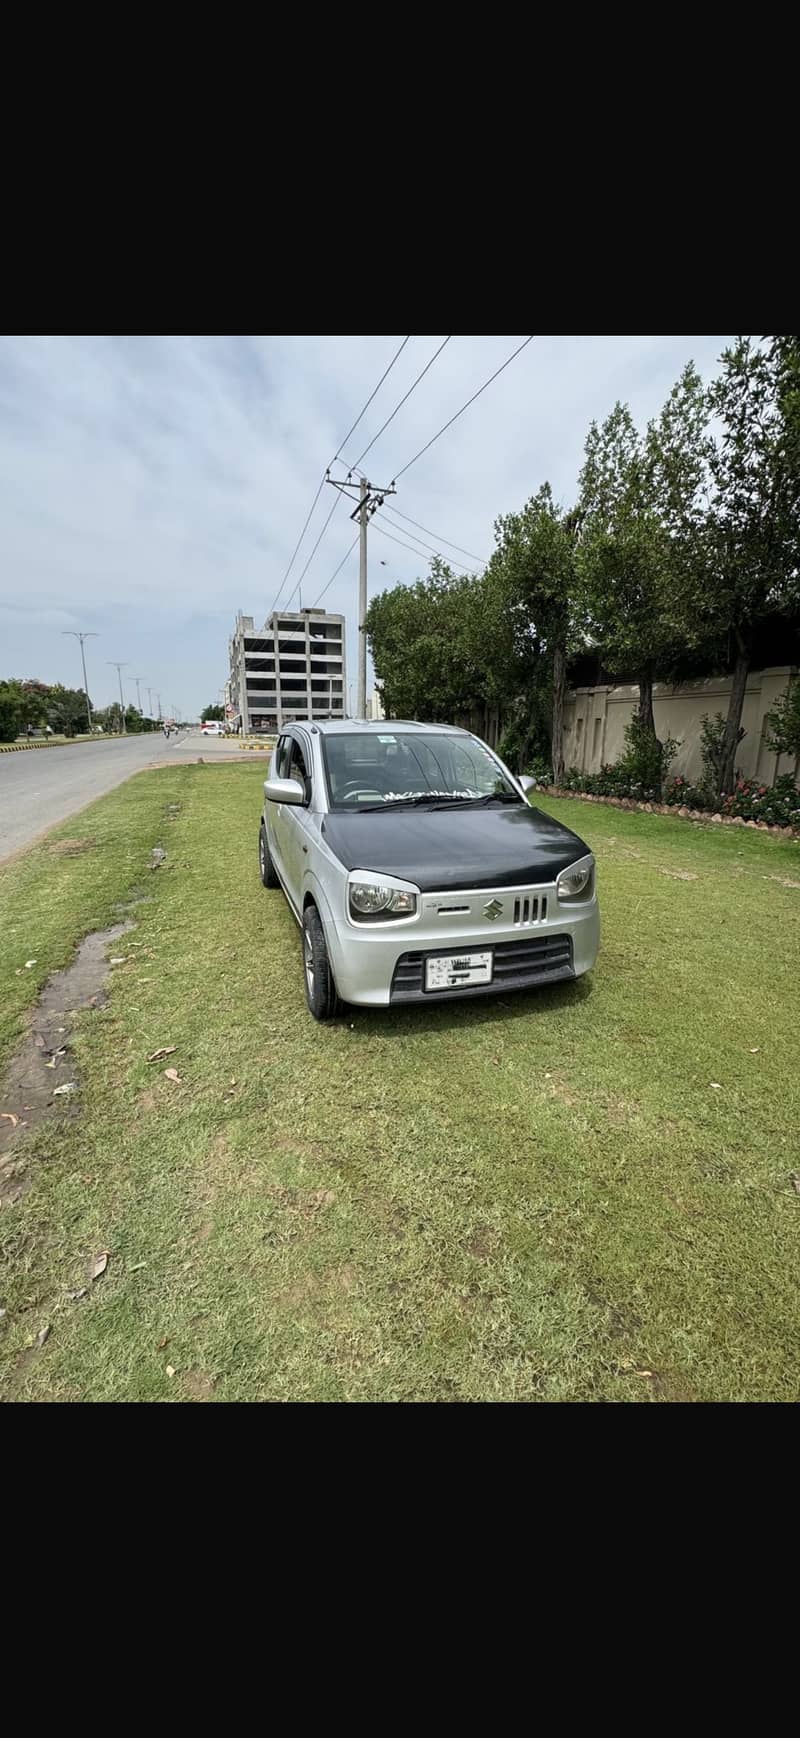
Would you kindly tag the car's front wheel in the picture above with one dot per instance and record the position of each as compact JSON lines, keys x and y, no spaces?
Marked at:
{"x":320,"y":988}
{"x":265,"y":863}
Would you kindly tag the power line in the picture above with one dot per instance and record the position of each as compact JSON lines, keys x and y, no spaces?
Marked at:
{"x":464,"y":407}
{"x":299,"y":582}
{"x":396,"y":514}
{"x":432,"y":546}
{"x":418,"y":552}
{"x":407,"y":395}
{"x":322,"y":478}
{"x":368,"y":403}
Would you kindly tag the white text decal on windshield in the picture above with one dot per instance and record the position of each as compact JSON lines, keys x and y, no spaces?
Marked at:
{"x":399,"y":796}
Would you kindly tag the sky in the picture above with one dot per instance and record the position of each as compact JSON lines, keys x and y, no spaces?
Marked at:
{"x":150,"y":487}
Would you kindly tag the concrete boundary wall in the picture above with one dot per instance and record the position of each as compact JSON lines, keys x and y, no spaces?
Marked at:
{"x":595,"y":720}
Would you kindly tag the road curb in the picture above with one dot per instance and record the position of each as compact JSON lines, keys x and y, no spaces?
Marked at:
{"x":68,"y":742}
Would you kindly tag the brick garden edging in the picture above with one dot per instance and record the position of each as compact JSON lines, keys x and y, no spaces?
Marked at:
{"x":682,"y":813}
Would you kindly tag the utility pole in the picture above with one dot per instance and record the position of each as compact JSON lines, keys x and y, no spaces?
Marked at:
{"x":119,"y":669}
{"x":370,"y":499}
{"x":158,"y":697}
{"x":89,"y":636}
{"x":137,"y":680}
{"x":150,"y":702}
{"x":362,"y":602}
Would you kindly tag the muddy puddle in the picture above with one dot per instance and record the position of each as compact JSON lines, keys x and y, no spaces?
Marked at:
{"x":41,"y":1076}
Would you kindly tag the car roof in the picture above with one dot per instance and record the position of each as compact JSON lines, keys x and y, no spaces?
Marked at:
{"x":377,"y":727}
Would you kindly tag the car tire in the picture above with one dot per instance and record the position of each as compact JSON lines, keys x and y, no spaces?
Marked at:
{"x":265,"y":863}
{"x":320,"y":988}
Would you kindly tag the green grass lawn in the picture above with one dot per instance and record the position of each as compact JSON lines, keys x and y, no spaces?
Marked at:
{"x":537,"y":1198}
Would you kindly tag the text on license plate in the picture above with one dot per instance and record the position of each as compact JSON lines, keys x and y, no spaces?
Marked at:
{"x":450,"y":971}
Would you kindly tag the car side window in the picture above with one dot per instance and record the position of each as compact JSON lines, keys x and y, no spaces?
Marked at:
{"x":282,"y":753}
{"x":298,"y":768}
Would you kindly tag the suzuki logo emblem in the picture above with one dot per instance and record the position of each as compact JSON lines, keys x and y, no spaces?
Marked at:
{"x":493,"y":909}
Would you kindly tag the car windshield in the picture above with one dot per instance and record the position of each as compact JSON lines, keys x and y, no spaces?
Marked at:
{"x":375,"y":770}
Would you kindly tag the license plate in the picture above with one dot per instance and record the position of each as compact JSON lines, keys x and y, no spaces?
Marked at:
{"x":451,"y":971}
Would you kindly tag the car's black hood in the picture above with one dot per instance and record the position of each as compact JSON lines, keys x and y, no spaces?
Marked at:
{"x":442,"y":849}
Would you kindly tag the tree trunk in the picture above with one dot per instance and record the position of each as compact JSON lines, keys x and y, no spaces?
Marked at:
{"x":730,"y":741}
{"x":559,"y":681}
{"x":646,"y":717}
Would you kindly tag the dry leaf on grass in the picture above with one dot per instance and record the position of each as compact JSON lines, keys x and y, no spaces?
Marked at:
{"x":717,"y":1085}
{"x":794,"y":1179}
{"x":8,"y":1116}
{"x":166,"y":1050}
{"x":28,"y":964}
{"x":170,"y":1369}
{"x":100,"y":1264}
{"x":172,"y":1074}
{"x":42,"y":1334}
{"x":68,"y":1087}
{"x":162,"y":1343}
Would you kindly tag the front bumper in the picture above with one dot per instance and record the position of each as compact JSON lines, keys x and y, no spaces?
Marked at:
{"x":378,"y":965}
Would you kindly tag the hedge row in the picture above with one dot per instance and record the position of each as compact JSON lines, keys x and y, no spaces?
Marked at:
{"x":791,"y":830}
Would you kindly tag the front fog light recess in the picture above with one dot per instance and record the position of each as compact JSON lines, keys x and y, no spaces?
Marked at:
{"x":573,"y":882}
{"x":373,"y":899}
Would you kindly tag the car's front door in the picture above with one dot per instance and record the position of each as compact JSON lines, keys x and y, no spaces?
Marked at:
{"x":295,"y":824}
{"x":279,"y":839}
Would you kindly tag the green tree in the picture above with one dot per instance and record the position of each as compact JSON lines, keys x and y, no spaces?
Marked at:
{"x":429,"y":660}
{"x":211,"y":713}
{"x":66,"y":710}
{"x":534,"y":564}
{"x":642,"y":517}
{"x":784,"y":725}
{"x":752,"y":569}
{"x":10,"y":711}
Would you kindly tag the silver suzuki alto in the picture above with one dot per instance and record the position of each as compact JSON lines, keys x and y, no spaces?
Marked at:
{"x":417,"y":869}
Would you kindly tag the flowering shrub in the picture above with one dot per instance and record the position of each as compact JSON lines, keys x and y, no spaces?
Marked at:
{"x":684,"y":794}
{"x":610,"y":781}
{"x":778,"y":804}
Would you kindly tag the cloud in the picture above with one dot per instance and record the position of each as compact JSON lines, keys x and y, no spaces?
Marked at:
{"x":150,"y":487}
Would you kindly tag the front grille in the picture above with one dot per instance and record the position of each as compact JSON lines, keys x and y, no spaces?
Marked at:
{"x":529,"y":909}
{"x":542,"y":959}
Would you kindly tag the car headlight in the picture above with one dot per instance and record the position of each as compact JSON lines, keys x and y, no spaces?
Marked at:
{"x":378,"y":899}
{"x":576,"y":882}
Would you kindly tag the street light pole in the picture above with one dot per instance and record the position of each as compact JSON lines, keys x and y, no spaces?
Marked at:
{"x":137,"y":680}
{"x":88,"y":636}
{"x":119,"y":669}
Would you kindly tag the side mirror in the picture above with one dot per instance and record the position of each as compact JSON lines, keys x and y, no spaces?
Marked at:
{"x":283,"y":790}
{"x":528,"y":784}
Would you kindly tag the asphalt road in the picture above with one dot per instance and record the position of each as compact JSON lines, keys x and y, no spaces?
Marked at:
{"x":41,"y":786}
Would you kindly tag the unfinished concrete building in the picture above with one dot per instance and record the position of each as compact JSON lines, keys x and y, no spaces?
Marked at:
{"x":292,"y":668}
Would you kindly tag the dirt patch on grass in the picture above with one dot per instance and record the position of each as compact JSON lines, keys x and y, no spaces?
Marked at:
{"x":199,"y":1385}
{"x":72,"y":847}
{"x":483,"y":1242}
{"x":41,"y":1074}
